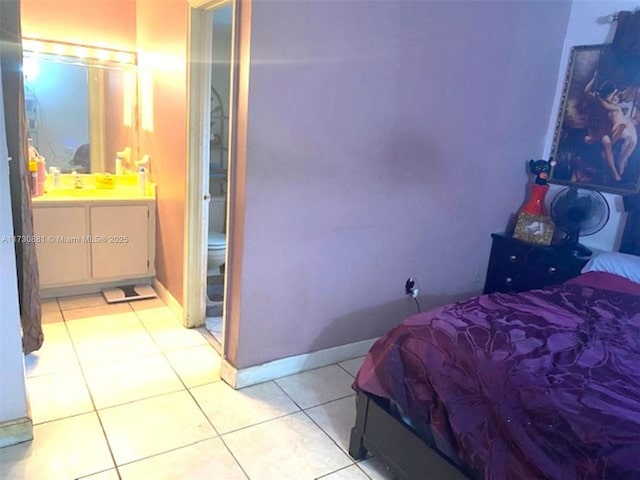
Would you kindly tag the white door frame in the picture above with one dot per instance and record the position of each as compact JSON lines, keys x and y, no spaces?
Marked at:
{"x":197,"y":189}
{"x":199,"y":92}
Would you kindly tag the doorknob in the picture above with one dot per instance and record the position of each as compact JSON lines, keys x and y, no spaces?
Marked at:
{"x":206,"y":196}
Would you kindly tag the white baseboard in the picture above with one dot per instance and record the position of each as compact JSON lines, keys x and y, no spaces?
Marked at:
{"x":170,"y":300}
{"x":16,"y":431}
{"x":244,"y":377}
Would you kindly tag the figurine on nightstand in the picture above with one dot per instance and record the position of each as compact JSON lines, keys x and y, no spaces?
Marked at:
{"x":541,"y":169}
{"x":534,"y":225}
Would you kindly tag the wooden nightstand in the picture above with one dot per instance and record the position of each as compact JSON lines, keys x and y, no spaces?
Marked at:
{"x":516,"y":266}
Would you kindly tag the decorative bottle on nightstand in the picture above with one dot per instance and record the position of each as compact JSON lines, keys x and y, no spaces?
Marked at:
{"x":535,"y":204}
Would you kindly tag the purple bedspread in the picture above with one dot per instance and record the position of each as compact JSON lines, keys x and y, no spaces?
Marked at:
{"x":541,"y":384}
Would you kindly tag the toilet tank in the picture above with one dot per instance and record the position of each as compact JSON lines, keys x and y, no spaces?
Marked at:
{"x":217,"y":211}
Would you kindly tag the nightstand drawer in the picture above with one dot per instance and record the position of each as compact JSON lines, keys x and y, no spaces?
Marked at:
{"x":516,"y":266}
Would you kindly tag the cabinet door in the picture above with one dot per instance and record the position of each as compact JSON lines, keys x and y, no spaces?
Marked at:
{"x":120,"y":241}
{"x":63,"y":255}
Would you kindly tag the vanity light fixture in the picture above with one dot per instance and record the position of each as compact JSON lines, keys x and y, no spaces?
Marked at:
{"x":98,"y":54}
{"x":103,"y":55}
{"x":81,"y":52}
{"x":123,"y":57}
{"x":32,"y":45}
{"x":59,"y":49}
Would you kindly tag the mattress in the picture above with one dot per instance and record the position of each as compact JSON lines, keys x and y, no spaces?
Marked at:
{"x":539,"y":384}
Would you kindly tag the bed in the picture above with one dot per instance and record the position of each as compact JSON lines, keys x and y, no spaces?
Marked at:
{"x":539,"y":384}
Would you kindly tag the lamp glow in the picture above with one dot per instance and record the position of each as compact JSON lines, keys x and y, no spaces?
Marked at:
{"x":30,"y":69}
{"x":123,"y":57}
{"x":82,"y":52}
{"x":127,"y":98}
{"x":32,"y":45}
{"x":59,"y":49}
{"x":146,"y":100}
{"x":103,"y":55}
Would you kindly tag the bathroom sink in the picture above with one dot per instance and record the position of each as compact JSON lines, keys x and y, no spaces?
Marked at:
{"x":91,"y":193}
{"x":81,"y":193}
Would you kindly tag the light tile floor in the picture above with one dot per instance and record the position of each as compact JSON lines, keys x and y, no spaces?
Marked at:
{"x":214,"y":326}
{"x":123,"y":391}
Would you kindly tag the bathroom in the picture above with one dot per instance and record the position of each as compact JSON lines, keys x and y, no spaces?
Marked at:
{"x":158,"y":36}
{"x":217,"y":166}
{"x":92,"y":202}
{"x":159,"y":45}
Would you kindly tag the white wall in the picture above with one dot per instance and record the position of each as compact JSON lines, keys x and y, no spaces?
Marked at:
{"x":13,"y":402}
{"x":588,"y":26}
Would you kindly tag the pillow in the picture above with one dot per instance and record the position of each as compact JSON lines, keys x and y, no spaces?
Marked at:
{"x":621,"y":264}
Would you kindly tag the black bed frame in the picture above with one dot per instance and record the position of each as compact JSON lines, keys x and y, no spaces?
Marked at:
{"x":410,"y":456}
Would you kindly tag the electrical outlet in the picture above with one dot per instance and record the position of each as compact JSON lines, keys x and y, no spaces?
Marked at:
{"x":408,"y":286}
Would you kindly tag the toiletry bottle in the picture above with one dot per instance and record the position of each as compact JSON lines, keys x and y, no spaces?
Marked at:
{"x":33,"y":153}
{"x":33,"y":172}
{"x":42,"y":174}
{"x":56,"y":178}
{"x":142,"y":180}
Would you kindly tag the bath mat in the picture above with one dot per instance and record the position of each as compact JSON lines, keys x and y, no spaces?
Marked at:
{"x":127,"y":293}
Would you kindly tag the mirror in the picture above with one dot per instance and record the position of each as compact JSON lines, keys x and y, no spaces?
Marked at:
{"x":80,"y":111}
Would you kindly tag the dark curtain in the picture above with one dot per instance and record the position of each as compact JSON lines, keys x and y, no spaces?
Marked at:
{"x":15,"y":119}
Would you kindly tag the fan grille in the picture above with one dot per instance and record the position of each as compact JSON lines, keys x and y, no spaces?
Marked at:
{"x":580,"y":210}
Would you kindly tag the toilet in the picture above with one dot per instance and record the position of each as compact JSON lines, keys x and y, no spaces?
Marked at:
{"x":216,"y":251}
{"x":216,"y":241}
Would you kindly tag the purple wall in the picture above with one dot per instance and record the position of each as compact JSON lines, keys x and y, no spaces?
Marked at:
{"x":386,"y":139}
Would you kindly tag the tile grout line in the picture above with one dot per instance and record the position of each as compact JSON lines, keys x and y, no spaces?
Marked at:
{"x":330,"y":437}
{"x":150,"y":397}
{"x":312,"y":406}
{"x":316,"y":424}
{"x":260,"y":423}
{"x":336,"y":471}
{"x":214,"y":428}
{"x":85,"y":477}
{"x":346,"y":369}
{"x":164,"y":452}
{"x":93,"y":403}
{"x":188,"y":390}
{"x":97,"y":411}
{"x":357,"y":463}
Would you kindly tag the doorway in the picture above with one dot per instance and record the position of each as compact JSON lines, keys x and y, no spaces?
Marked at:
{"x":217,"y":167}
{"x":214,"y":155}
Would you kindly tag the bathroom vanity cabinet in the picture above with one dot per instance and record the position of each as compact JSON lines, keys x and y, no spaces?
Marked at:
{"x":94,"y":242}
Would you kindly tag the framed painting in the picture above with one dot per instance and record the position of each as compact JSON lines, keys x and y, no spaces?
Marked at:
{"x":595,"y":143}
